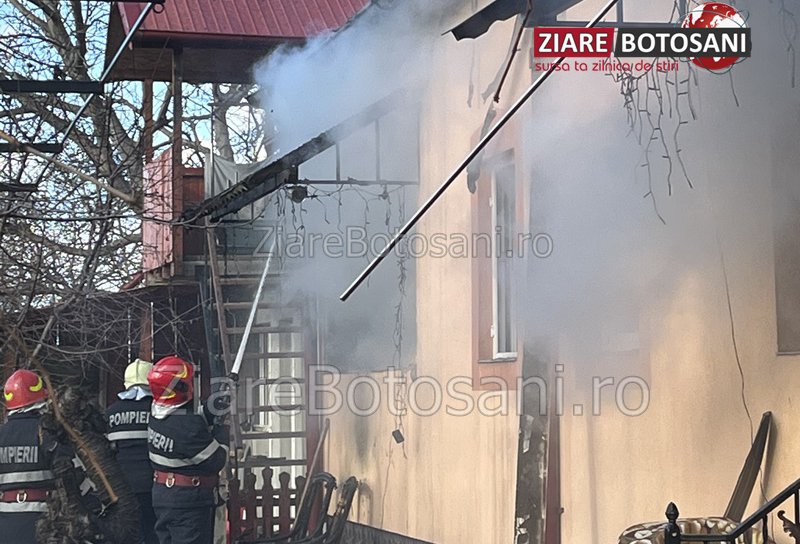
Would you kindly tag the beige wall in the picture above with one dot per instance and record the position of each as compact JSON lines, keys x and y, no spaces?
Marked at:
{"x":455,"y":479}
{"x":690,"y":444}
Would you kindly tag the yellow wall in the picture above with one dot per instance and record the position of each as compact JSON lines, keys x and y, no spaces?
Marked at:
{"x":690,"y":444}
{"x":455,"y":479}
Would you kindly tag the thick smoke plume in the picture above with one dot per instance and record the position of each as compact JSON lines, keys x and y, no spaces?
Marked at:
{"x":613,"y":260}
{"x":311,"y":88}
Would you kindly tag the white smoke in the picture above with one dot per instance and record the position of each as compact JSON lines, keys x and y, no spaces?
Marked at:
{"x":307,"y":90}
{"x":311,"y":88}
{"x":614,"y":260}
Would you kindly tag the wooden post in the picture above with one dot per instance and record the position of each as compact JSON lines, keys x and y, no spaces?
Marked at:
{"x":267,"y":504}
{"x":224,"y":338}
{"x":234,"y":509}
{"x":251,"y":521}
{"x":315,"y":454}
{"x":299,"y":489}
{"x":284,"y":504}
{"x":216,"y":285}
{"x":672,"y":532}
{"x":177,"y":159}
{"x":146,"y":351}
{"x":553,"y":510}
{"x":9,"y":365}
{"x":147,"y":110}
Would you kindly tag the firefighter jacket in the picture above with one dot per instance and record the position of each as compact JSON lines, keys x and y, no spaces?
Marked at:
{"x":189,"y":444}
{"x":25,"y":461}
{"x":127,"y":431}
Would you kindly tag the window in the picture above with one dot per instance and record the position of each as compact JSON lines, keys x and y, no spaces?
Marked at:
{"x":504,"y":232}
{"x":496,"y":220}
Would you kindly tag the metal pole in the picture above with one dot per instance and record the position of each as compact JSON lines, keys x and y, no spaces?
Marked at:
{"x":217,"y":287}
{"x":123,"y":46}
{"x":672,"y":531}
{"x":237,"y":363}
{"x":325,"y":428}
{"x":461,"y":167}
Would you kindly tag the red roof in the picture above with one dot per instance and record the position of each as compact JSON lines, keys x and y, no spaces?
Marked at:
{"x":243,"y":19}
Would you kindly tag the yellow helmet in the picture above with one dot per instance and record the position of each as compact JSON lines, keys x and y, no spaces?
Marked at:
{"x":136,"y":373}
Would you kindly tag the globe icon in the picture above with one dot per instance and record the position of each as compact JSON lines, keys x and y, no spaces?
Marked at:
{"x":714,"y":15}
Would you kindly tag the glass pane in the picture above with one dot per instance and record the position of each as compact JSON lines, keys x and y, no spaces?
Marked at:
{"x":505,"y":250}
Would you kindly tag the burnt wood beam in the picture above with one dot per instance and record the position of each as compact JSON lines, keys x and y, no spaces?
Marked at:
{"x":546,"y":11}
{"x":352,"y":181}
{"x":51,"y":86}
{"x":284,"y":169}
{"x":18,"y":188}
{"x":41,"y":147}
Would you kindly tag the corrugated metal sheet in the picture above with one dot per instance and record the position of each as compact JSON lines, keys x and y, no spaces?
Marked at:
{"x":243,"y":19}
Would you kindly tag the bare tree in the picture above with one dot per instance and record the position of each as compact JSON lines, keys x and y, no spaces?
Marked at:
{"x":79,"y":231}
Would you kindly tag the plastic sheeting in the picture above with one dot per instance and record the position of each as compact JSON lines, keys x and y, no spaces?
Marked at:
{"x":221,"y":174}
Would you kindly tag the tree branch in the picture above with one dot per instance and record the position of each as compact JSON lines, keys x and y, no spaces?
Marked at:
{"x":133,"y":202}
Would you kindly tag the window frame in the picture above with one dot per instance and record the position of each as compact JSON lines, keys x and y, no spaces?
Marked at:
{"x":505,"y":162}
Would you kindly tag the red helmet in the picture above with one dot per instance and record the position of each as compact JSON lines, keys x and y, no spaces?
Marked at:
{"x":171,"y":381}
{"x":24,"y":388}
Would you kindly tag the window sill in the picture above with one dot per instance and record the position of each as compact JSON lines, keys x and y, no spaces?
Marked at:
{"x":787,"y":353}
{"x":498,"y":360}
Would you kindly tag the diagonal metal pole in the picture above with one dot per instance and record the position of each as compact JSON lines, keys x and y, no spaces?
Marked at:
{"x":461,"y":167}
{"x":107,"y":72}
{"x":237,"y":362}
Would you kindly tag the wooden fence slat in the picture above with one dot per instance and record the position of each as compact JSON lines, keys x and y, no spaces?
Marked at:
{"x":251,"y":519}
{"x":245,"y":498}
{"x":267,"y":503}
{"x":284,"y":503}
{"x":235,"y":509}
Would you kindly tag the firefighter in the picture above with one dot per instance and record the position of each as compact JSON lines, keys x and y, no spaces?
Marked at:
{"x":187,"y":451}
{"x":127,"y":431}
{"x":25,"y":459}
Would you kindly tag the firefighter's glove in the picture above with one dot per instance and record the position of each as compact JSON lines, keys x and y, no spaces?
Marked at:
{"x":218,"y":406}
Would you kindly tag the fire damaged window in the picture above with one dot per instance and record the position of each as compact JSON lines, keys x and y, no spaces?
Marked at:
{"x":504,"y":231}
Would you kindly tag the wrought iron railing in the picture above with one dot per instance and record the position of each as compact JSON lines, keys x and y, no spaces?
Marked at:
{"x":673,"y":535}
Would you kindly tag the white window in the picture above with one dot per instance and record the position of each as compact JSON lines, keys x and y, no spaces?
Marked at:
{"x":504,"y":234}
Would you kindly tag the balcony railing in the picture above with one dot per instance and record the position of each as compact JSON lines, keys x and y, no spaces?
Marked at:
{"x":673,"y":535}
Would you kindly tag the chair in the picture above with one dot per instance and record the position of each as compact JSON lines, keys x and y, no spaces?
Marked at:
{"x":653,"y":532}
{"x":334,"y":527}
{"x":321,"y":483}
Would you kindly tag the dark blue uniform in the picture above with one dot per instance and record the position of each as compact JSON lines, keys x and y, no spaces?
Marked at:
{"x":25,"y":462}
{"x":127,"y":430}
{"x":187,"y":446}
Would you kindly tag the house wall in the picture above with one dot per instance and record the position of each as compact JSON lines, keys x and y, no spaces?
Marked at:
{"x":690,"y":444}
{"x":624,"y":294}
{"x":645,"y":299}
{"x":453,"y":479}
